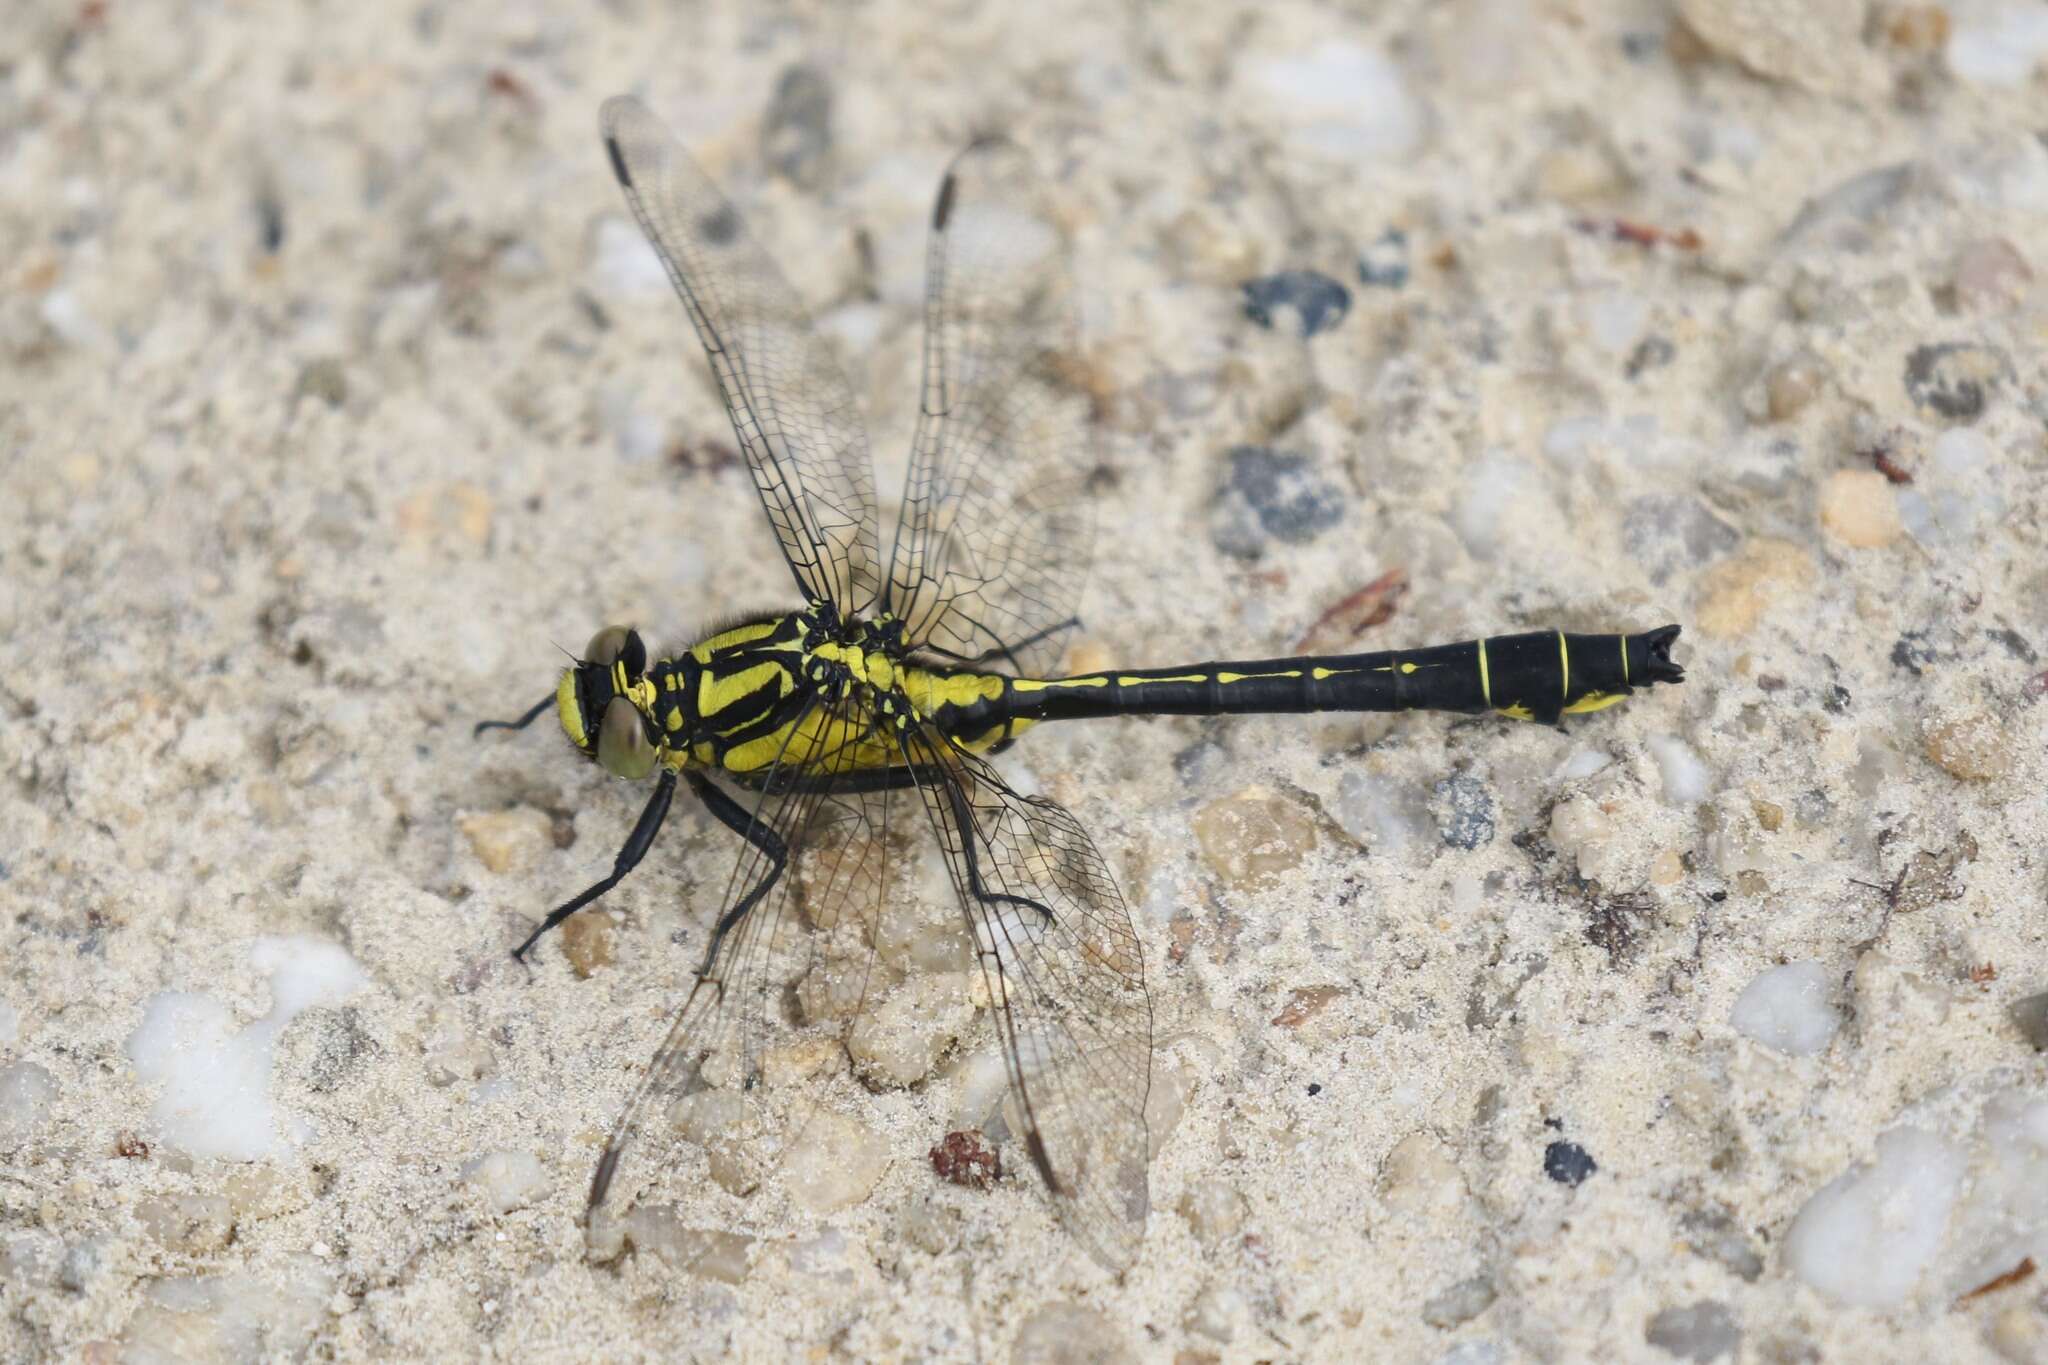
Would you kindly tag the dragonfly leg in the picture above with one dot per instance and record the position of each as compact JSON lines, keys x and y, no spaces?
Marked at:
{"x":637,"y":844}
{"x":740,"y":821}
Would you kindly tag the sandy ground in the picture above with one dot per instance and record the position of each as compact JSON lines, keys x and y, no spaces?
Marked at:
{"x":336,"y":396}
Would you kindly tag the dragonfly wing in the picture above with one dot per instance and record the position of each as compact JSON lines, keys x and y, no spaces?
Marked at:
{"x":1066,"y":981}
{"x":996,"y":532}
{"x":797,"y":914}
{"x":792,"y":410}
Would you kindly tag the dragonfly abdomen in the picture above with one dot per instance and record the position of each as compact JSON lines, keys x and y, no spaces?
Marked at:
{"x":1539,"y":675}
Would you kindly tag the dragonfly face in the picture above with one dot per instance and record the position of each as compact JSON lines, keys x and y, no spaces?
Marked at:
{"x":604,"y":702}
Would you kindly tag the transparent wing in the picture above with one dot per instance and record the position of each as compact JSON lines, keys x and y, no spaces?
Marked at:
{"x":791,"y":407}
{"x":996,"y":532}
{"x":809,"y":935}
{"x":1066,"y":982}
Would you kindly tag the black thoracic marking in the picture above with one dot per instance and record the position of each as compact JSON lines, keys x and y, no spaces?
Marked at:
{"x":611,"y":145}
{"x":747,"y":708}
{"x":943,"y":209}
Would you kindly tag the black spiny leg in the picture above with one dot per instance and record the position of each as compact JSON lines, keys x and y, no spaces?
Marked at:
{"x":963,"y":817}
{"x":637,"y":844}
{"x":736,"y":818}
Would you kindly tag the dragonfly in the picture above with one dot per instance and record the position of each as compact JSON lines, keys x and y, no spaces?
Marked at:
{"x":833,"y":738}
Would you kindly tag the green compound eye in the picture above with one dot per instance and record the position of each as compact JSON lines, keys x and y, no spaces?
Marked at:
{"x":623,"y":749}
{"x":603,"y":649}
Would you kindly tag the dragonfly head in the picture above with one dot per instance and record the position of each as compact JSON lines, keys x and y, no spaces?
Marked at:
{"x":603,"y":703}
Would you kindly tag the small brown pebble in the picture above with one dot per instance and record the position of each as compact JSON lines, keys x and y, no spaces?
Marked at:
{"x":1971,"y":747}
{"x":1990,"y":275}
{"x":1735,"y":593}
{"x":1253,"y":837}
{"x":587,"y":942}
{"x":1858,"y":508}
{"x":1305,"y":1003}
{"x":1791,"y":384}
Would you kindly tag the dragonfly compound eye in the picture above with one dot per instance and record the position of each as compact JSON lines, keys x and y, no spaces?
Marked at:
{"x":623,"y":749}
{"x":605,"y":646}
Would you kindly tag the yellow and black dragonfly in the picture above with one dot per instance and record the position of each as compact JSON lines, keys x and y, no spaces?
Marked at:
{"x":881,"y":698}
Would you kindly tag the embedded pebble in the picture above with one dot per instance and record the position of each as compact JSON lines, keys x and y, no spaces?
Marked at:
{"x":509,"y":840}
{"x":1271,"y":494}
{"x":1954,"y":379}
{"x":190,"y":1224}
{"x":1419,"y":1176}
{"x":82,"y":1265}
{"x":1789,"y":1009}
{"x":1316,"y":301}
{"x":1253,"y":837}
{"x":834,"y":1163}
{"x":1990,"y":275}
{"x":1498,"y":491}
{"x":1214,"y":1211}
{"x":1687,"y":780}
{"x":10,"y":1024}
{"x":1460,"y":1303}
{"x":1971,"y":747}
{"x":1957,"y":494}
{"x":708,"y":1253}
{"x":1858,"y":508}
{"x":1736,"y":593}
{"x":1383,"y":813}
{"x":1582,"y":830}
{"x":1464,"y":811}
{"x":2030,"y":1015}
{"x":508,"y":1180}
{"x":1338,"y":101}
{"x":1816,"y":46}
{"x":30,"y":1257}
{"x":26,"y":1090}
{"x":899,"y":1041}
{"x":1702,"y":1332}
{"x":1715,"y":1235}
{"x":1791,"y":384}
{"x":1068,"y":1334}
{"x":1999,"y":44}
{"x":796,"y":132}
{"x":232,"y":1316}
{"x":1865,"y":1237}
{"x":1568,"y":1163}
{"x":587,"y":942}
{"x":1215,"y":1312}
{"x":623,"y":263}
{"x":1667,"y":532}
{"x":2019,"y":1335}
{"x":1384,"y":264}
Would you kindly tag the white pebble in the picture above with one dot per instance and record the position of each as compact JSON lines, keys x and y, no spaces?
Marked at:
{"x":1583,"y":763}
{"x":1496,"y":488}
{"x":1867,"y":1235}
{"x":1338,"y":101}
{"x":25,"y":1092}
{"x":835,"y":1163}
{"x":10,"y":1024}
{"x":623,"y":264}
{"x":1999,"y":46}
{"x":509,"y":1180}
{"x":1384,"y":814}
{"x":215,"y":1097}
{"x":1686,"y":779}
{"x":1787,"y":1008}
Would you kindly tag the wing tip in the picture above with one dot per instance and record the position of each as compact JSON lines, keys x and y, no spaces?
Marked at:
{"x":619,"y":171}
{"x":942,"y":208}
